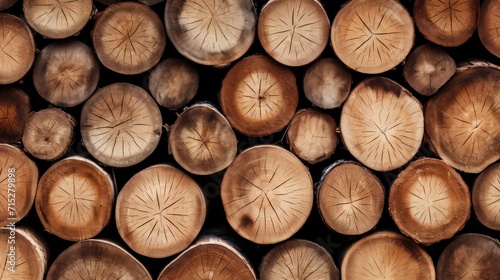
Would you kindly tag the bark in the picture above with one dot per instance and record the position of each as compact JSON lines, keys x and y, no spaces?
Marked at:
{"x":14,"y":111}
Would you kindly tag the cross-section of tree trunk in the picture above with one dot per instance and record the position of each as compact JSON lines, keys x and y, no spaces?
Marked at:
{"x":5,"y":4}
{"x":14,"y":111}
{"x":209,"y":258}
{"x":486,"y":197}
{"x":211,"y":32}
{"x":428,"y":68}
{"x":160,"y":211}
{"x":173,"y":83}
{"x":429,"y":201}
{"x":382,"y":124}
{"x":49,"y":133}
{"x":267,"y":194}
{"x":23,"y":254}
{"x":18,"y":184}
{"x":259,"y":96}
{"x":93,"y":258}
{"x":57,"y":18}
{"x":312,"y":135}
{"x":462,"y":119}
{"x":350,"y":198}
{"x":489,"y":26}
{"x":202,"y":140}
{"x":327,"y":82}
{"x":294,"y":32}
{"x":74,"y":199}
{"x":372,"y":36}
{"x":129,"y":38}
{"x":298,"y":259}
{"x":66,"y":73}
{"x":121,"y":125}
{"x":386,"y":255}
{"x":18,"y":48}
{"x":470,"y":256}
{"x":447,"y":23}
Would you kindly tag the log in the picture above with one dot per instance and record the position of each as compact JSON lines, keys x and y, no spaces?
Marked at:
{"x":18,"y":49}
{"x":129,"y":38}
{"x":259,"y":96}
{"x":293,"y":32}
{"x":429,"y":201}
{"x":485,"y":195}
{"x":298,"y":259}
{"x":312,"y":135}
{"x":173,"y":83}
{"x":350,"y":198}
{"x":489,"y":25}
{"x":382,"y":124}
{"x":15,"y":108}
{"x":372,"y":36}
{"x":327,"y":83}
{"x":428,"y":68}
{"x":5,"y":4}
{"x":49,"y":133}
{"x":202,"y":140}
{"x":209,"y":258}
{"x":74,"y":199}
{"x":18,"y":184}
{"x":160,"y":211}
{"x":446,"y":23}
{"x":120,"y":125}
{"x":267,"y":194}
{"x":211,"y":32}
{"x":66,"y":73}
{"x":462,"y":119}
{"x":386,"y":255}
{"x":96,"y":258}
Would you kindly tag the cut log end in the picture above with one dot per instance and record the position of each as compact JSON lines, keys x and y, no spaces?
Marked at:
{"x":14,"y":112}
{"x":485,"y":195}
{"x":489,"y":26}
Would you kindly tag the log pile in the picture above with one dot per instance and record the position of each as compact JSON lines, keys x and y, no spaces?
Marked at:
{"x":240,"y":139}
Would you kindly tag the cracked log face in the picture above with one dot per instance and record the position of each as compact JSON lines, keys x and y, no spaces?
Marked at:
{"x":486,"y":197}
{"x":429,"y":201}
{"x":372,"y":36}
{"x":129,"y":38}
{"x":14,"y":111}
{"x":211,"y":32}
{"x":489,"y":26}
{"x":267,"y":194}
{"x":462,"y":120}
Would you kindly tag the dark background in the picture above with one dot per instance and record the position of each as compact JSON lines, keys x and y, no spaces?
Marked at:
{"x":210,"y":83}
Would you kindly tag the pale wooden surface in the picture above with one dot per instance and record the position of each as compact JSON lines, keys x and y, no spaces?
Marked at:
{"x":486,"y":195}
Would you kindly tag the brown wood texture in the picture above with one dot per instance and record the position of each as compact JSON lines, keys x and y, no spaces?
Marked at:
{"x":486,"y":195}
{"x":15,"y":108}
{"x":489,"y":26}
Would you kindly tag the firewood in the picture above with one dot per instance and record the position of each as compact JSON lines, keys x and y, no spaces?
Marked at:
{"x":150,"y":2}
{"x":18,"y":48}
{"x":267,"y":194}
{"x":489,"y":26}
{"x":428,"y":68}
{"x":202,"y":140}
{"x":5,"y":4}
{"x":14,"y":111}
{"x":209,"y":258}
{"x":372,"y":36}
{"x":312,"y":135}
{"x":211,"y":32}
{"x":160,"y":211}
{"x":93,"y":258}
{"x":74,"y":199}
{"x":173,"y":83}
{"x":120,"y":125}
{"x":18,"y":184}
{"x":470,"y":256}
{"x":485,"y":195}
{"x":382,"y":124}
{"x":129,"y":38}
{"x":350,"y":198}
{"x":294,"y":32}
{"x":298,"y":259}
{"x":446,"y":23}
{"x":462,"y":119}
{"x":429,"y":201}
{"x":24,"y":255}
{"x":327,"y":82}
{"x":259,"y":96}
{"x":386,"y":255}
{"x":66,"y":73}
